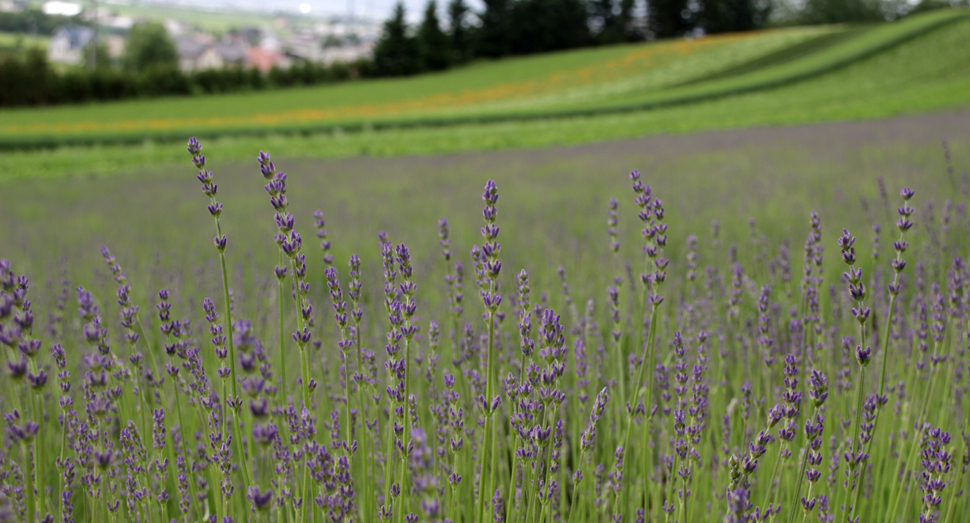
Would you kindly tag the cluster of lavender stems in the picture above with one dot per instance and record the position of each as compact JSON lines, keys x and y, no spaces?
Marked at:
{"x":716,"y":407}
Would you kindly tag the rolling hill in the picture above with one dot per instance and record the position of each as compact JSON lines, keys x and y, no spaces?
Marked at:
{"x":608,"y":80}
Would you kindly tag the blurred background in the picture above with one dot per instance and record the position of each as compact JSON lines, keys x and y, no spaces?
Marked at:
{"x":59,"y":51}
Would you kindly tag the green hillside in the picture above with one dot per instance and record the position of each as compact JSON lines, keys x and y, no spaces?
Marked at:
{"x":587,"y":75}
{"x":928,"y":73}
{"x":614,"y":79}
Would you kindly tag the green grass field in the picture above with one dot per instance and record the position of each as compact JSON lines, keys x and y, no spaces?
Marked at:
{"x":617,"y":79}
{"x":896,"y":81}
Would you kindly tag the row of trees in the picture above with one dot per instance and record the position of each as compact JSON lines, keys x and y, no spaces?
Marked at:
{"x":32,"y":81}
{"x":30,"y":21}
{"x":502,"y":28}
{"x":148,"y":68}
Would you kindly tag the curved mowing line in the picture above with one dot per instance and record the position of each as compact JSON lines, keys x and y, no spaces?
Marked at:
{"x":734,"y":85}
{"x":782,"y":56}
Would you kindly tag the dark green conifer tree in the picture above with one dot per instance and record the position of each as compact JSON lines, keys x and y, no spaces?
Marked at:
{"x":460,"y":38}
{"x":396,"y":53}
{"x":432,"y":41}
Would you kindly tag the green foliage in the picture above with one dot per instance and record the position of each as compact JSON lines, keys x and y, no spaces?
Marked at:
{"x":31,"y":80}
{"x":931,"y":5}
{"x":495,"y":35}
{"x":435,"y":54}
{"x":150,"y":47}
{"x":397,"y":52}
{"x":540,"y":26}
{"x":25,"y":82}
{"x":516,"y":27}
{"x":670,"y":18}
{"x":102,"y":60}
{"x":840,"y":11}
{"x":31,"y":21}
{"x":719,"y":16}
{"x":460,"y":37}
{"x":613,"y":21}
{"x":16,"y":45}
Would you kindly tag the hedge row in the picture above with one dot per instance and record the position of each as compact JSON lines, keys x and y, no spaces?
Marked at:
{"x":32,"y":81}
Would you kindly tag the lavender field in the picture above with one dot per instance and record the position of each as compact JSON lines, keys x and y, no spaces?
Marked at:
{"x":761,"y":325}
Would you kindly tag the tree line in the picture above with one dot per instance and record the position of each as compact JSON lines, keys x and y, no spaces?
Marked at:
{"x":148,"y":68}
{"x":32,"y":81}
{"x":31,"y":21}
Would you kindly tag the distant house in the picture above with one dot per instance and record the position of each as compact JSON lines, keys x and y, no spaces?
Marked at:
{"x":68,"y":44}
{"x":199,"y":55}
{"x":195,"y":55}
{"x":345,"y":54}
{"x":115,"y":44}
{"x":234,"y":55}
{"x":304,"y":46}
{"x":265,"y":59}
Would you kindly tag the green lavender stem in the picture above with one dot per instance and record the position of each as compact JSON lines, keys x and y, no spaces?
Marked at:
{"x":648,"y":361}
{"x":882,"y":375}
{"x":282,"y":314}
{"x":774,"y":472}
{"x":801,"y":476}
{"x":515,"y":459}
{"x":39,"y":461}
{"x":407,"y":413}
{"x":185,"y":443}
{"x":365,"y":436}
{"x":488,"y":446}
{"x":572,"y":503}
{"x":855,"y":436}
{"x":32,"y":508}
{"x":232,"y":355}
{"x":911,"y":459}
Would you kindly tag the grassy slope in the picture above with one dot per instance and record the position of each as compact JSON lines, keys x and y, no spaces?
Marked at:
{"x":614,"y":79}
{"x":900,"y":80}
{"x":642,"y":65}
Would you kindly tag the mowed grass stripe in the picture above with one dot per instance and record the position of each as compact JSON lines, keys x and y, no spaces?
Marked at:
{"x":785,"y":55}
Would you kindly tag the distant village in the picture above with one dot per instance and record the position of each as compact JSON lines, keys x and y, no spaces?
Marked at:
{"x":324,"y":41}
